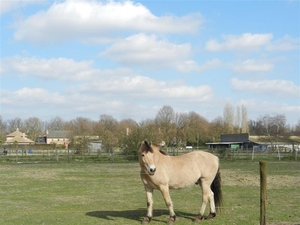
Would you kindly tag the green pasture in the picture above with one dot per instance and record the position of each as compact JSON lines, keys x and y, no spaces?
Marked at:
{"x":94,"y":193}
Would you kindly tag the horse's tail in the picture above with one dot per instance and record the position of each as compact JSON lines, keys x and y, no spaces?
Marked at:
{"x":216,"y":189}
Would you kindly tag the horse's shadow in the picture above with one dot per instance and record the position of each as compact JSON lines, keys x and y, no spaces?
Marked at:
{"x":136,"y":215}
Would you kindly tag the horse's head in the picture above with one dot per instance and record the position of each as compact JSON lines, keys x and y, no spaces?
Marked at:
{"x":146,"y":157}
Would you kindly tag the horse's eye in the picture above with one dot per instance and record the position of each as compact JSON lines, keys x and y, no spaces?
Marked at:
{"x":143,"y":155}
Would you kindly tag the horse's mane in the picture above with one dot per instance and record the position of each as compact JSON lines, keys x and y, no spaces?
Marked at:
{"x":159,"y":148}
{"x":163,"y":152}
{"x":148,"y":146}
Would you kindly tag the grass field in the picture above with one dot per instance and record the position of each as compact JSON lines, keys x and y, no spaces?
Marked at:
{"x":82,"y":193}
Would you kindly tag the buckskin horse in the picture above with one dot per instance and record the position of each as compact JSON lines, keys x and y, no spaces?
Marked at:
{"x":163,"y":172}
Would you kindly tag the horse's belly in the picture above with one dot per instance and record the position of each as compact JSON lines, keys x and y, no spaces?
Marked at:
{"x":183,"y":181}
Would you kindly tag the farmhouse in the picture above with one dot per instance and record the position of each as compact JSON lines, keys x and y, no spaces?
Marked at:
{"x":60,"y":137}
{"x":18,"y":137}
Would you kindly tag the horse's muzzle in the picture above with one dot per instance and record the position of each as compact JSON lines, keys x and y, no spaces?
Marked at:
{"x":151,"y":170}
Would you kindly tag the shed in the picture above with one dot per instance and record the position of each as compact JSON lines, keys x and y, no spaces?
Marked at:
{"x":232,"y":141}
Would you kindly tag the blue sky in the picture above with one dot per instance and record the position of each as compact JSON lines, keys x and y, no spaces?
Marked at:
{"x":127,"y":59}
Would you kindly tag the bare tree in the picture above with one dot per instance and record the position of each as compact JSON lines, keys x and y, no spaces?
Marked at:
{"x":107,"y":132}
{"x":80,"y":129}
{"x":56,"y":123}
{"x":273,"y":126}
{"x":216,"y":129}
{"x":181,"y":124}
{"x":228,"y":115}
{"x":124,"y":131}
{"x":198,"y":129}
{"x":80,"y":126}
{"x":238,"y":124}
{"x":150,"y":130}
{"x":125,"y":127}
{"x":14,"y":124}
{"x":3,"y":128}
{"x":34,"y":127}
{"x":297,"y":128}
{"x":108,"y":122}
{"x":245,"y":124}
{"x":165,"y":120}
{"x":279,"y":122}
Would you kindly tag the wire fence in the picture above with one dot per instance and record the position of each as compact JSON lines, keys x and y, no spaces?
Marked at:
{"x":24,"y":154}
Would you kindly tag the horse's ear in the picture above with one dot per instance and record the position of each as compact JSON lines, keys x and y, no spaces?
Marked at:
{"x":147,"y":146}
{"x":145,"y":142}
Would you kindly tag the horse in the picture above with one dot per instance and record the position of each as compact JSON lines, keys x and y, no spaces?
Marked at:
{"x":162,"y":172}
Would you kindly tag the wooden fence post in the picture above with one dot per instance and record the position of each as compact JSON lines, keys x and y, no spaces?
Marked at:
{"x":263,"y":191}
{"x":56,"y":155}
{"x":68,"y":154}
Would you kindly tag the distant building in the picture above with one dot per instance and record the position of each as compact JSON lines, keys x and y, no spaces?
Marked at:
{"x":258,"y":143}
{"x":18,"y":137}
{"x":234,"y":141}
{"x":95,"y":146}
{"x":41,"y":139}
{"x":60,"y":137}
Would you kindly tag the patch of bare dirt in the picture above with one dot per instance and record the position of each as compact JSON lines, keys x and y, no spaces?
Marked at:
{"x":232,"y":178}
{"x":284,"y":223}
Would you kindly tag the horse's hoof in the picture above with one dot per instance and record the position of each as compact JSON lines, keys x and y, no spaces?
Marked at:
{"x":146,"y":220}
{"x":198,"y":218}
{"x":172,"y":220}
{"x":211,"y":216}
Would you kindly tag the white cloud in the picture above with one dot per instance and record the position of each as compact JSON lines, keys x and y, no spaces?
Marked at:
{"x":55,"y":68}
{"x":30,"y":97}
{"x":286,"y":43}
{"x":191,"y":65}
{"x":252,"y":65}
{"x":90,"y":89}
{"x":147,"y":50}
{"x":258,"y":108}
{"x":9,"y":5}
{"x":244,"y":42}
{"x":141,"y":87}
{"x":282,"y":88}
{"x":123,"y":97}
{"x":93,"y":20}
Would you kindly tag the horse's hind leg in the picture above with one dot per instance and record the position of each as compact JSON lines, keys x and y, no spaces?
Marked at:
{"x":207,"y":196}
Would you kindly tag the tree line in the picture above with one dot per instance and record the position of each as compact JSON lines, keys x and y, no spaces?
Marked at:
{"x":172,"y":128}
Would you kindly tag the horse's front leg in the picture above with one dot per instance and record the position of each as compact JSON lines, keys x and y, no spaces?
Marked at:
{"x":149,"y":196}
{"x":166,"y":195}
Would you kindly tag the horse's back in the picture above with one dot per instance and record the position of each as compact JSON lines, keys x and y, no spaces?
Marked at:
{"x":206,"y":161}
{"x":186,"y":169}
